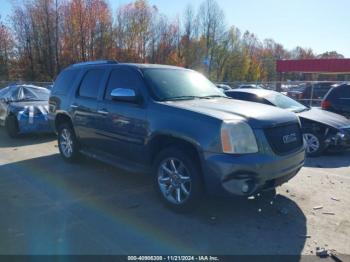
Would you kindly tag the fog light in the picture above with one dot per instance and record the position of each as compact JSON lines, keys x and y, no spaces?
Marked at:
{"x":245,"y":188}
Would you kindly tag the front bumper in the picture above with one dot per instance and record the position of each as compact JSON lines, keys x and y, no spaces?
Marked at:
{"x":246,"y":175}
{"x":339,"y":140}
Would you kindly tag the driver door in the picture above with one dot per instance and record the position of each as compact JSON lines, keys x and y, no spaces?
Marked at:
{"x":124,"y":124}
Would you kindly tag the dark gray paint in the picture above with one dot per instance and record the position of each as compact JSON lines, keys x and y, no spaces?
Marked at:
{"x":127,"y":130}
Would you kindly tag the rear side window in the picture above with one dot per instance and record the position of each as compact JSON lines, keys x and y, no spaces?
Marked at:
{"x":91,"y":83}
{"x":64,"y":81}
{"x":339,"y":92}
{"x":344,"y":92}
{"x":123,"y":78}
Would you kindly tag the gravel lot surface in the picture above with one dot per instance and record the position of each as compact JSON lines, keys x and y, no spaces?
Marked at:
{"x":51,"y":207}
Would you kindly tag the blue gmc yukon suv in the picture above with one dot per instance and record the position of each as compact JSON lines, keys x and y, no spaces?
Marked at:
{"x":175,"y":125}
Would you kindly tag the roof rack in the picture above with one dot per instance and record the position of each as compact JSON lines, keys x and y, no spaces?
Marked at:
{"x":97,"y":62}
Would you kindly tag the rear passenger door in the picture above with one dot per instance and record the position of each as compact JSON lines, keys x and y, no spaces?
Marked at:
{"x":84,"y":106}
{"x":124,"y":126}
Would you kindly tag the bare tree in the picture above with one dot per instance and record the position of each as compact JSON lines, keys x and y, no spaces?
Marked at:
{"x":211,"y":19}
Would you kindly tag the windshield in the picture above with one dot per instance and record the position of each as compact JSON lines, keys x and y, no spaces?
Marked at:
{"x":38,"y":94}
{"x":24,"y":93}
{"x":286,"y":102}
{"x":180,"y":84}
{"x":4,"y":91}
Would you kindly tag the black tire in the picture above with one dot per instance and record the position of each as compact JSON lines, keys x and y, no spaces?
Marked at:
{"x":63,"y":130}
{"x":317,"y":139}
{"x":11,"y":125}
{"x":191,"y":169}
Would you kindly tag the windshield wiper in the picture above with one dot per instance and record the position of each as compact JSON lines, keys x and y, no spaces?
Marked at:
{"x":191,"y":97}
{"x":213,"y":96}
{"x":182,"y":98}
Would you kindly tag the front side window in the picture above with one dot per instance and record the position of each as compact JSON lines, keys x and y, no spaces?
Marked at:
{"x":90,"y":84}
{"x":179,"y":84}
{"x":122,"y":78}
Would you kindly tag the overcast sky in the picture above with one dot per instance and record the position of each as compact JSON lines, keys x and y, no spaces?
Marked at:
{"x":322,"y":25}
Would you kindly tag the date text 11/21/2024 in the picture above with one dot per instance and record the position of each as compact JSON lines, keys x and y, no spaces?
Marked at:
{"x":173,"y":258}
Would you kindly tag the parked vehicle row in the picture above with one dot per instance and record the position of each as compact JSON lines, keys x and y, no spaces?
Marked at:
{"x":322,"y":130}
{"x":310,"y":91}
{"x":178,"y":126}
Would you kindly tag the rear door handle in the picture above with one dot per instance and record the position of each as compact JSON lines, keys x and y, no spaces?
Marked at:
{"x":74,"y":106}
{"x":103,"y":112}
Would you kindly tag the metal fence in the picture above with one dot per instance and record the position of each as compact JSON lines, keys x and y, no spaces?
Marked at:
{"x":295,"y":89}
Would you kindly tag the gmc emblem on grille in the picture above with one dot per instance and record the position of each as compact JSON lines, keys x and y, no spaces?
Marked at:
{"x":290,"y":138}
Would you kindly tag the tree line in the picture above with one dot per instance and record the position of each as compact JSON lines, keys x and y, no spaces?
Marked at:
{"x":41,"y":37}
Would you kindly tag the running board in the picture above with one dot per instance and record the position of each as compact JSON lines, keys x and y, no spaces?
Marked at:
{"x":128,"y":166}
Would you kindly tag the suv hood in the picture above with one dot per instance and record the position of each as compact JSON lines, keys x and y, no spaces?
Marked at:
{"x":257,"y":115}
{"x":325,"y":117}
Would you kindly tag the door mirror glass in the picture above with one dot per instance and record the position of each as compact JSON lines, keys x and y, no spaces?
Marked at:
{"x":124,"y":95}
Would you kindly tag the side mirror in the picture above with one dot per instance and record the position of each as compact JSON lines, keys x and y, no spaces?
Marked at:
{"x":124,"y":95}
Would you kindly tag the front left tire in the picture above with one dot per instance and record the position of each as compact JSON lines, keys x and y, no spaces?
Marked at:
{"x":177,"y":178}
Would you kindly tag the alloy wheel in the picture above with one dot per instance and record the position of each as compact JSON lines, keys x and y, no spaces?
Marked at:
{"x":174,"y":181}
{"x":66,"y":143}
{"x":312,"y":143}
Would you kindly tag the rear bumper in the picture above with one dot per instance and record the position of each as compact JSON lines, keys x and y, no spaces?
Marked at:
{"x":36,"y":124}
{"x":247,"y":175}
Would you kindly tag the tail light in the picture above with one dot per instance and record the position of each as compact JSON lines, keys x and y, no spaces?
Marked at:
{"x":301,"y":96}
{"x":325,"y":104}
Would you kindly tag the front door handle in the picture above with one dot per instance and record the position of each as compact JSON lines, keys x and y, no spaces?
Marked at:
{"x":103,"y":112}
{"x":74,"y":106}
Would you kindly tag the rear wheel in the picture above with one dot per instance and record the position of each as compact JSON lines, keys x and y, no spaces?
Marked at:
{"x":67,"y":142}
{"x":178,"y":178}
{"x":11,"y":125}
{"x":314,"y":144}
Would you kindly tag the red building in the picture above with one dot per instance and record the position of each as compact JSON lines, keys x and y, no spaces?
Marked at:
{"x":318,"y":66}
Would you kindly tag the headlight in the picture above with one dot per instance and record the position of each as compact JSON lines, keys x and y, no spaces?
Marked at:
{"x":342,"y":135}
{"x":237,"y":137}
